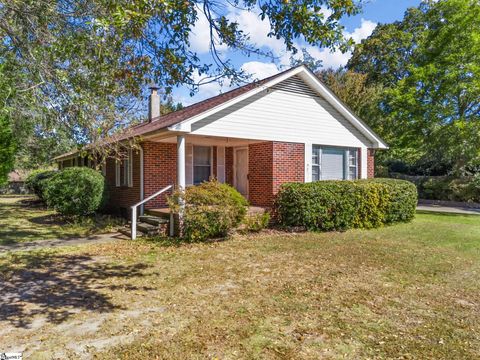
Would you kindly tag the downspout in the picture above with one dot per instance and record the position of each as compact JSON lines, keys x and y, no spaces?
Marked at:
{"x":142,"y":193}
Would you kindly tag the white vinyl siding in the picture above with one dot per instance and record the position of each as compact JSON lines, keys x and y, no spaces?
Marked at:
{"x":283,"y":114}
{"x":333,"y":163}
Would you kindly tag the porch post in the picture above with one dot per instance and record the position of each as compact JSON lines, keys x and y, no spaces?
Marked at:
{"x":181,"y":162}
{"x":181,"y":153}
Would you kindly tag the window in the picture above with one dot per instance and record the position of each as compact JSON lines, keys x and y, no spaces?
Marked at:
{"x":202,"y":165}
{"x":352,"y":164}
{"x":333,"y":163}
{"x":123,"y":171}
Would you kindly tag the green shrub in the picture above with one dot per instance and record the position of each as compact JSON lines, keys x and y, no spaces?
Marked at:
{"x":37,"y":180}
{"x":75,"y":191}
{"x":341,"y":205}
{"x":402,"y":199}
{"x":212,"y":209}
{"x":256,"y":222}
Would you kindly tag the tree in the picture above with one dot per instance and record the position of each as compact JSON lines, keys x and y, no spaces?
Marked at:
{"x":7,"y":148}
{"x":80,"y":66}
{"x":308,"y":60}
{"x":353,"y":89}
{"x":432,"y":100}
{"x":7,"y":141}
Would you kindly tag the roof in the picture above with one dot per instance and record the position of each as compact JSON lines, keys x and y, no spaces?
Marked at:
{"x":185,"y":113}
{"x":17,"y":176}
{"x":190,"y":111}
{"x":205,"y":106}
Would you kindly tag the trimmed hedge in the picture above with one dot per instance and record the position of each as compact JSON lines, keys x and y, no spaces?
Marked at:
{"x":212,"y":209}
{"x":37,"y":180}
{"x":341,"y":205}
{"x":75,"y":191}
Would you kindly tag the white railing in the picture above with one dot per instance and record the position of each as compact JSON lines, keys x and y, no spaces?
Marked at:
{"x":134,"y":211}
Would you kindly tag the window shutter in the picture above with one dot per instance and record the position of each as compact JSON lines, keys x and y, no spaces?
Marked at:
{"x":130,"y":168}
{"x":333,"y":164}
{"x":189,"y":164}
{"x":117,"y":173}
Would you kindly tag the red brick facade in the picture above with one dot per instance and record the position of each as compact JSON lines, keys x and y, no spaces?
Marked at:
{"x":370,"y":163}
{"x":160,"y":162}
{"x":122,"y":197}
{"x":260,"y":173}
{"x":160,"y":169}
{"x":288,"y":164}
{"x":270,"y":165}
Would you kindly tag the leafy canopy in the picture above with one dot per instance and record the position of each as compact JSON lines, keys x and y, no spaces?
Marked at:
{"x":80,"y":67}
{"x":429,"y":64}
{"x":7,"y":141}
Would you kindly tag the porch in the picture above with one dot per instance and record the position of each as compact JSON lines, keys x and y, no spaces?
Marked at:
{"x":255,"y":168}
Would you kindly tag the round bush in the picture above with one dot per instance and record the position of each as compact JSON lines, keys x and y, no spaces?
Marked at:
{"x":341,"y":205}
{"x":212,"y":209}
{"x":37,"y":180}
{"x":75,"y":191}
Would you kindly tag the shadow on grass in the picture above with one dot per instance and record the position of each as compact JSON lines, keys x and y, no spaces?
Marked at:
{"x":57,"y":286}
{"x":27,"y":220}
{"x":446,"y":214}
{"x":168,"y":241}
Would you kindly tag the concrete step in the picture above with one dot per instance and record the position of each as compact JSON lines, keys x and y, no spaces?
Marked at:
{"x":153,"y":220}
{"x":148,"y":229}
{"x":127,"y":232}
{"x":163,"y":212}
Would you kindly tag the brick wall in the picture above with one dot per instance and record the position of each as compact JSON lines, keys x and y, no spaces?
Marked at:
{"x":160,"y":169}
{"x":270,"y":165}
{"x":260,"y":173}
{"x":288,"y":164}
{"x":370,"y":163}
{"x":121,"y":198}
{"x":160,"y":162}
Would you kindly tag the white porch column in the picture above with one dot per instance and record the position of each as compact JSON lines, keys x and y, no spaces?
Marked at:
{"x":181,"y":153}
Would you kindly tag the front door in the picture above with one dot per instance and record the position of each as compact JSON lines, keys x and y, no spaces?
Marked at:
{"x":241,"y":170}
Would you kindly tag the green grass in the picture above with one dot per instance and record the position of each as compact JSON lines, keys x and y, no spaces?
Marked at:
{"x":405,"y":291}
{"x":23,"y":219}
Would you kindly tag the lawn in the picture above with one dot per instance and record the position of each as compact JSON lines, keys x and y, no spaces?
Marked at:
{"x":24,"y":219}
{"x":404,"y":291}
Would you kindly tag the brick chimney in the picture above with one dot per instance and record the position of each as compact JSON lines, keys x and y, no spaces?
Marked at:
{"x":153,"y":104}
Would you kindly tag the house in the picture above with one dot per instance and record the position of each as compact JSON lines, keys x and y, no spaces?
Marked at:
{"x":286,"y":128}
{"x":15,"y":183}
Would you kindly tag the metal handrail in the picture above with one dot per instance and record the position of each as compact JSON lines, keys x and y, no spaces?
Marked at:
{"x":134,"y":210}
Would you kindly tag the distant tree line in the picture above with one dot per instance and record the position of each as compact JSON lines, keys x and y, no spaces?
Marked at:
{"x":416,"y":82}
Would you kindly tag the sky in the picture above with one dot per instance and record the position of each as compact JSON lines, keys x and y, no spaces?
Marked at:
{"x":357,"y":27}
